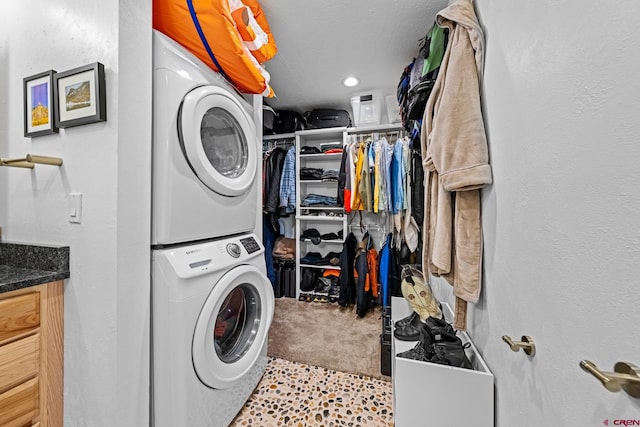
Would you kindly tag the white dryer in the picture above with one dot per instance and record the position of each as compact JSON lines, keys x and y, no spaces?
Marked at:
{"x":212,"y":308}
{"x":205,"y":151}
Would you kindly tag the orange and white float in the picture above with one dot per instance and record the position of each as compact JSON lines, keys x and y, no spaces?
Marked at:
{"x":234,"y":45}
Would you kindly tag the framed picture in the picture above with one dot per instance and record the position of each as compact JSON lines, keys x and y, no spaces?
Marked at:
{"x":39,"y":104}
{"x":81,"y":96}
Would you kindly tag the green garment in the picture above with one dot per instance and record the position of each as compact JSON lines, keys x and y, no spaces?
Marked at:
{"x":436,"y":49}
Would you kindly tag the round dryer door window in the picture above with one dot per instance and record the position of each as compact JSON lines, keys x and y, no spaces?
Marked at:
{"x":219,"y":140}
{"x":232,"y":327}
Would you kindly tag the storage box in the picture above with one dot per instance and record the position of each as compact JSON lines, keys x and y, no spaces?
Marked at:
{"x":367,"y":109}
{"x":439,"y":395}
{"x":393,"y":109}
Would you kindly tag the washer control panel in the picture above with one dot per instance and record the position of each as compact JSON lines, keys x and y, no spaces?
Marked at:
{"x":216,"y":255}
{"x":250,"y":244}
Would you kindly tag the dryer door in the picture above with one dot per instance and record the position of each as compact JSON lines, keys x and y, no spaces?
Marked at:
{"x":219,"y":140}
{"x":232,"y":327}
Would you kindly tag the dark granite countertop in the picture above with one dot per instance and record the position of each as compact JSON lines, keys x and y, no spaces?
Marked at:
{"x":26,"y":264}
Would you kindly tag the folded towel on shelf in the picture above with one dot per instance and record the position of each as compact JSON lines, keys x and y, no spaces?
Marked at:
{"x":319,"y":199}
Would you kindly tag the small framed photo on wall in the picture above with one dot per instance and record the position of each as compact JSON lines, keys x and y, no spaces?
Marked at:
{"x":39,"y":104}
{"x":81,"y":96}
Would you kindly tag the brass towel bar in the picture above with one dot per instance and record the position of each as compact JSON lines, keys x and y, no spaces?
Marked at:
{"x":30,"y":160}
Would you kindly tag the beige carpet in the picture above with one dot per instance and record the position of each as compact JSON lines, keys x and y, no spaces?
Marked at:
{"x":328,"y":336}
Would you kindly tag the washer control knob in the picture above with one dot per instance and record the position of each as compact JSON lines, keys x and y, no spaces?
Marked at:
{"x":233,"y":249}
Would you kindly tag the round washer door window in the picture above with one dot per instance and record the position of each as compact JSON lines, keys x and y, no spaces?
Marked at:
{"x":232,"y":327}
{"x":219,"y":140}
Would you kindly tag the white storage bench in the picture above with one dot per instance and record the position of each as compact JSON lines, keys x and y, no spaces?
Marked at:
{"x":430,"y":394}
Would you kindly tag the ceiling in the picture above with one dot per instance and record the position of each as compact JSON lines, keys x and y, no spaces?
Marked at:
{"x":320,"y":42}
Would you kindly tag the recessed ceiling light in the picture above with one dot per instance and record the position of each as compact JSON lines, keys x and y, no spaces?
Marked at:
{"x":350,"y":81}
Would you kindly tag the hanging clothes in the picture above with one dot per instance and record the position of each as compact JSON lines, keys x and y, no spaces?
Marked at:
{"x":272,"y":183}
{"x":288,"y":182}
{"x":381,"y":184}
{"x":398,"y":177}
{"x":346,"y":279}
{"x":363,"y":294}
{"x":348,"y":180}
{"x":342,"y":180}
{"x":365,"y":180}
{"x":366,"y":272}
{"x":384,"y":263}
{"x":358,"y":158}
{"x":456,"y":160}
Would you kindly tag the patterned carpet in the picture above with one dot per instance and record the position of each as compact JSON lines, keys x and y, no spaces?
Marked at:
{"x":298,"y":395}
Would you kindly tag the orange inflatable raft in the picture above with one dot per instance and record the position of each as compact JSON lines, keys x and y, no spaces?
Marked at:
{"x":230,"y":36}
{"x":254,"y":29}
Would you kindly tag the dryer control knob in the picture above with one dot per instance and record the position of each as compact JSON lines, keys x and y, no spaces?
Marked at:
{"x":233,"y":249}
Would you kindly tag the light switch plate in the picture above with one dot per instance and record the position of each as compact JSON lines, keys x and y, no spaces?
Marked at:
{"x":75,"y":208}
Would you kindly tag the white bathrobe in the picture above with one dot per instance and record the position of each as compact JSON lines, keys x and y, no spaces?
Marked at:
{"x":456,"y":160}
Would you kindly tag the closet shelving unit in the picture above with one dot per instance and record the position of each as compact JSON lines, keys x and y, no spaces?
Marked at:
{"x":325,"y":219}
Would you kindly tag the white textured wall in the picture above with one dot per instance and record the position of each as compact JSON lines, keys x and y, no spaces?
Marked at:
{"x":106,"y":298}
{"x":562,"y":219}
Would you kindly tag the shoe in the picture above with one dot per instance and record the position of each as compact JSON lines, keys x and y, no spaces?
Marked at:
{"x":423,"y":350}
{"x":420,"y":297}
{"x":323,"y":285}
{"x":450,"y":353}
{"x":304,"y":297}
{"x":438,"y":327}
{"x":406,"y":320}
{"x":409,"y":331}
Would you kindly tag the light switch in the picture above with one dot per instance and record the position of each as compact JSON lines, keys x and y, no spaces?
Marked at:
{"x":75,"y":207}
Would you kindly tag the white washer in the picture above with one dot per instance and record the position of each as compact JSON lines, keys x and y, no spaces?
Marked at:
{"x":211,"y":312}
{"x":205,"y":151}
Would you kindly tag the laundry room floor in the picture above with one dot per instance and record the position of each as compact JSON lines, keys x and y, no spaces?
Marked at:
{"x":299,"y":395}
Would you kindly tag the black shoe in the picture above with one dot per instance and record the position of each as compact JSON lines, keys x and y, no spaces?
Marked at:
{"x":323,"y":285}
{"x":437,"y":327}
{"x":409,"y":331}
{"x":406,"y":320}
{"x":450,"y":353}
{"x":423,"y":350}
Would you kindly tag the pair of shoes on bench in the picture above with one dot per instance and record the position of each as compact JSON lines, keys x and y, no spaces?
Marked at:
{"x":438,"y":343}
{"x":408,"y":329}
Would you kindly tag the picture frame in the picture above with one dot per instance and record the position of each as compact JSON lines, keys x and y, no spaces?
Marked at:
{"x":39,"y":104}
{"x":80,"y":94}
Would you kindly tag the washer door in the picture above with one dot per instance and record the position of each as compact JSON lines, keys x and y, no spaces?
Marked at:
{"x":232,"y":327}
{"x":219,"y":140}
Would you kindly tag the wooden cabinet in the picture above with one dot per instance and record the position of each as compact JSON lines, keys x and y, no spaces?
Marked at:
{"x":31,"y":356}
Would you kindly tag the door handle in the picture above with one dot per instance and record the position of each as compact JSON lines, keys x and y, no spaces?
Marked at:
{"x":626,"y":376}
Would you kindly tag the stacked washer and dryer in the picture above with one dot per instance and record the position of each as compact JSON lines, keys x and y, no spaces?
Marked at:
{"x":212,"y":303}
